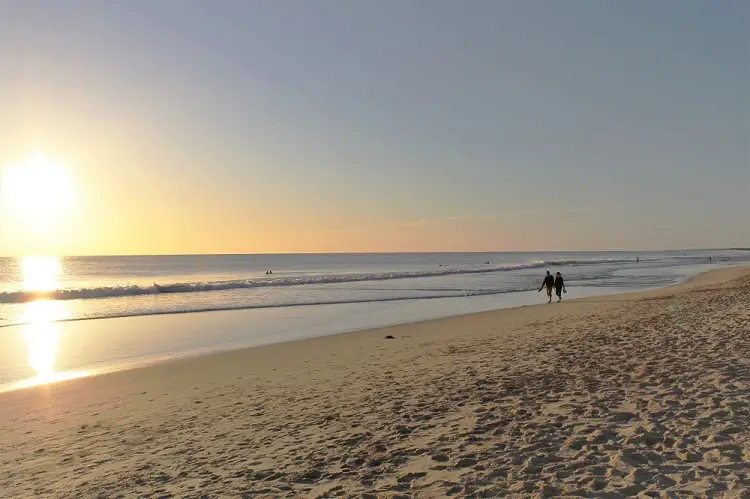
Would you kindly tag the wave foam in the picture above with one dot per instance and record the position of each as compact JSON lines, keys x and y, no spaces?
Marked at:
{"x":196,"y":287}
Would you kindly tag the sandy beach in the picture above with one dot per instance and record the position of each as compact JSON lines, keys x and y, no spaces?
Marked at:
{"x":642,"y":394}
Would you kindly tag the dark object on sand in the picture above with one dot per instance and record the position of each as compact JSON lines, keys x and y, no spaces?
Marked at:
{"x":389,"y":337}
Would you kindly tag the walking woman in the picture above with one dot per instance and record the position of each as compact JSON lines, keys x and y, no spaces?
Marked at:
{"x":559,"y":286}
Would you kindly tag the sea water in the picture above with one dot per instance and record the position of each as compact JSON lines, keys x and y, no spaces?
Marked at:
{"x":47,"y":305}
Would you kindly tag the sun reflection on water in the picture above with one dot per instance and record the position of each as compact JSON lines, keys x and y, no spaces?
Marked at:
{"x":40,"y":329}
{"x":42,"y":335}
{"x":40,"y":273}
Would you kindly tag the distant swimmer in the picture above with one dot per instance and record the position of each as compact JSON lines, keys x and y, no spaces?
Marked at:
{"x":549,"y":282}
{"x":559,"y":287}
{"x":269,"y":272}
{"x":638,"y":260}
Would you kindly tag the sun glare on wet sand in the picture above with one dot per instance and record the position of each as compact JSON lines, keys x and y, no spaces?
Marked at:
{"x":41,"y":333}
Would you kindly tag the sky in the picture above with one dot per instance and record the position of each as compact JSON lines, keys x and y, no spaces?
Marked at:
{"x":364,"y":126}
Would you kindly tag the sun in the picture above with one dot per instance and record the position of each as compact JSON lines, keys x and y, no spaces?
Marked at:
{"x":38,"y":190}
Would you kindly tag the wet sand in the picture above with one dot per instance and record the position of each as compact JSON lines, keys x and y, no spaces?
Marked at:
{"x":618,"y":396}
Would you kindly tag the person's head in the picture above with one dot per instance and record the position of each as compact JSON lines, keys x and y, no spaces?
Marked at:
{"x":548,"y":272}
{"x":559,"y":274}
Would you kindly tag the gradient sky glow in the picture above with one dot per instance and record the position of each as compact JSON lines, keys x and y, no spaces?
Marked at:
{"x":351,"y":125}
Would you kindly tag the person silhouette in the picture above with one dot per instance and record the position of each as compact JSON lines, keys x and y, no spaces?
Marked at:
{"x":559,"y":287}
{"x":549,"y":282}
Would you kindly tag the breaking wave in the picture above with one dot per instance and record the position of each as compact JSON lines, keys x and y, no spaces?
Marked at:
{"x":23,"y":296}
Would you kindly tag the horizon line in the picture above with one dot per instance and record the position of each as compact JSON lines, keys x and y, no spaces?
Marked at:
{"x":379,"y":253}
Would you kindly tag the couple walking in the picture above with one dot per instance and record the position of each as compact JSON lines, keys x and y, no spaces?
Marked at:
{"x":556,"y":282}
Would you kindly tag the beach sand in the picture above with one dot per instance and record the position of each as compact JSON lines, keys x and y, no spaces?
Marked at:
{"x":619,"y":396}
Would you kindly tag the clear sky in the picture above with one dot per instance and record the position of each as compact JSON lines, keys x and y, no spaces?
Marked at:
{"x":380,"y":125}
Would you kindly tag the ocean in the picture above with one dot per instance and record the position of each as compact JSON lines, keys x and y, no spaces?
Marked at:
{"x":280,"y":297}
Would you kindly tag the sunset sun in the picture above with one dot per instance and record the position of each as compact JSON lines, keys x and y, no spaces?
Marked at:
{"x":37,"y":190}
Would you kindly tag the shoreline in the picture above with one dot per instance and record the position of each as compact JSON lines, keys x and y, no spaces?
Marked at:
{"x":147,"y":360}
{"x":617,"y":395}
{"x":301,"y":305}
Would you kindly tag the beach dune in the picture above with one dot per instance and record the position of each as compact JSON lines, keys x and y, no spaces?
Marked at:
{"x":643,"y":394}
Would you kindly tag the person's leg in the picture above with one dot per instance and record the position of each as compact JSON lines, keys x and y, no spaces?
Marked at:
{"x":549,"y":294}
{"x":559,"y":294}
